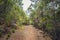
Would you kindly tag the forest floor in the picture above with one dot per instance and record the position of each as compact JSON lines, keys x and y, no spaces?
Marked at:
{"x":29,"y":33}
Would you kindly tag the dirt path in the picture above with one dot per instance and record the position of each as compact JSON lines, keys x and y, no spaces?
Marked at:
{"x":29,"y":33}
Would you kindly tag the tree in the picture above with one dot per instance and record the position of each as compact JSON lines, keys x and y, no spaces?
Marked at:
{"x":11,"y":16}
{"x":45,"y":14}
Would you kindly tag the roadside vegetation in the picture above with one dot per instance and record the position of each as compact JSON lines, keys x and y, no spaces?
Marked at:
{"x":12,"y":17}
{"x":44,"y":15}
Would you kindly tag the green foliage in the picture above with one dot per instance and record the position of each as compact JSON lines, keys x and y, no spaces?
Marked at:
{"x":16,"y":15}
{"x":58,"y":14}
{"x":47,"y":16}
{"x":49,"y":26}
{"x":12,"y":16}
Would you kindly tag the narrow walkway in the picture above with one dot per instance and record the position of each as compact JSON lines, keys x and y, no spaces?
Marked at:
{"x":29,"y":33}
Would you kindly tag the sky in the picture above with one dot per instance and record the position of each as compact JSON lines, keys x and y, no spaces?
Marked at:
{"x":26,"y":4}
